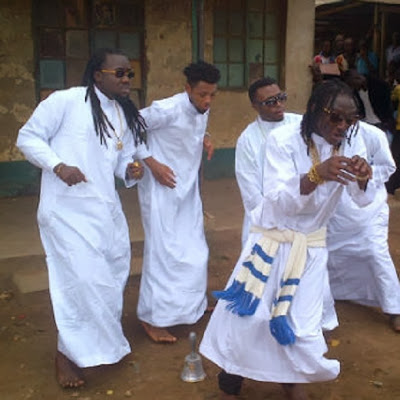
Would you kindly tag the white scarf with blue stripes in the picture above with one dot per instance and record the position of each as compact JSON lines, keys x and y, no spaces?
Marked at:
{"x":246,"y":290}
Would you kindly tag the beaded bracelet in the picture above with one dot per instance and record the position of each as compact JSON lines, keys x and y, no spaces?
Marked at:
{"x":313,"y":175}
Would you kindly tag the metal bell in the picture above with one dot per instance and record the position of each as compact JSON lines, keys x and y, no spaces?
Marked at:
{"x":193,"y":369}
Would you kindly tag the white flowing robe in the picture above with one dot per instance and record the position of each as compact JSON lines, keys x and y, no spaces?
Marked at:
{"x":83,"y":228}
{"x":359,"y":264}
{"x":244,"y":345}
{"x":174,"y":275}
{"x":249,"y":155}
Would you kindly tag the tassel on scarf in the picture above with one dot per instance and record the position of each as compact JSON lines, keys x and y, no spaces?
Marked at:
{"x":245,"y":292}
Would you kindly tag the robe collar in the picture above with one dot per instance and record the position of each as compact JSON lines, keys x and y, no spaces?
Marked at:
{"x":190,"y":108}
{"x":105,"y":102}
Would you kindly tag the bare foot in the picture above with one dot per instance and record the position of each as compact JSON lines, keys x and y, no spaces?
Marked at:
{"x":294,"y":391}
{"x":158,"y":335}
{"x":69,"y":375}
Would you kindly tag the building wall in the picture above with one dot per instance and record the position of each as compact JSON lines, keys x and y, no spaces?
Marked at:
{"x":17,"y":94}
{"x":168,"y":49}
{"x":299,"y":52}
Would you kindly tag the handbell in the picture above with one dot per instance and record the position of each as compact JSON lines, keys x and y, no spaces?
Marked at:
{"x":193,"y":369}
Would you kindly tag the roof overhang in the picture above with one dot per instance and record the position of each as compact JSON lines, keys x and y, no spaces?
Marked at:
{"x":323,"y":2}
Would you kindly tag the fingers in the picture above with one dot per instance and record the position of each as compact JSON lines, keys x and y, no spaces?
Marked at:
{"x":165,"y":176}
{"x":361,"y":167}
{"x":344,"y":170}
{"x":72,"y":175}
{"x":210,"y":153}
{"x":169,"y":179}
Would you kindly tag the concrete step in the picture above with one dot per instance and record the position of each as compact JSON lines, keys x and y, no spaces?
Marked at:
{"x":34,"y":278}
{"x":28,"y":274}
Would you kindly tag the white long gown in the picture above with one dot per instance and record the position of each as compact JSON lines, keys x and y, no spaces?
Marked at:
{"x":83,"y":228}
{"x":360,"y":266}
{"x":249,"y":155}
{"x":244,"y":345}
{"x":174,"y":275}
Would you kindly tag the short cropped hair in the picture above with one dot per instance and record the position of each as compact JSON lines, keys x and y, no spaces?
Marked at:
{"x":201,"y":71}
{"x":267,"y":81}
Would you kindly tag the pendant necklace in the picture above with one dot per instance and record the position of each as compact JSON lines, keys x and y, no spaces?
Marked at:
{"x":120,"y":145}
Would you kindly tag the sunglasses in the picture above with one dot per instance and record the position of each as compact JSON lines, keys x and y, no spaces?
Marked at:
{"x":337,"y":118}
{"x":120,"y":72}
{"x":274,"y":100}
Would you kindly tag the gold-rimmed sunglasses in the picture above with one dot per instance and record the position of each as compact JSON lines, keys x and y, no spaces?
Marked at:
{"x":337,"y":118}
{"x":120,"y":72}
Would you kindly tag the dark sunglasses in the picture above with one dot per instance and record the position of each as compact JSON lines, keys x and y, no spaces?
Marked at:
{"x":273,"y":101}
{"x":120,"y":72}
{"x":337,"y":118}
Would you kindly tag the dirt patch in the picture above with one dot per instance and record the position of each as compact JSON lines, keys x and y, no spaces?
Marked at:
{"x":364,"y":343}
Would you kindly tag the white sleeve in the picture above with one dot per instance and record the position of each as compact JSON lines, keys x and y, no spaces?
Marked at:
{"x":380,"y":158}
{"x":34,"y":138}
{"x":156,"y":117}
{"x":248,"y":174}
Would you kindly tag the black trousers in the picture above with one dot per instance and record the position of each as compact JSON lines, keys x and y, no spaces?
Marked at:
{"x":229,"y":383}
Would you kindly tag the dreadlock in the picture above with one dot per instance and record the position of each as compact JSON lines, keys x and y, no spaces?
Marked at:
{"x":323,"y":96}
{"x":134,"y":120}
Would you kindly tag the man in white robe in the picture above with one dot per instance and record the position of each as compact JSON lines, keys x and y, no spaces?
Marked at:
{"x":308,"y":165}
{"x":269,"y":101}
{"x":82,"y":226}
{"x":174,"y":275}
{"x":360,"y":266}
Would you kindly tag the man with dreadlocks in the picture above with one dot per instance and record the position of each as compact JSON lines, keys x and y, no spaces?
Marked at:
{"x":174,"y":275}
{"x":267,"y":325}
{"x":80,"y":138}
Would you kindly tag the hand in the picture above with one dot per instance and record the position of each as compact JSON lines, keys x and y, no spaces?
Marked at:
{"x":70,"y":175}
{"x":134,"y":170}
{"x":208,"y":147}
{"x":161,"y":172}
{"x":337,"y":168}
{"x":362,"y":171}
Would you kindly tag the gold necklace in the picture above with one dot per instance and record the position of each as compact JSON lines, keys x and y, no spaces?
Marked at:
{"x":120,"y":145}
{"x":315,"y":155}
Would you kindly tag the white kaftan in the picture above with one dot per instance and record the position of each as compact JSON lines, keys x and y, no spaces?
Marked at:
{"x":244,"y":345}
{"x":174,"y":275}
{"x":249,"y":154}
{"x":83,"y":229}
{"x":359,"y":264}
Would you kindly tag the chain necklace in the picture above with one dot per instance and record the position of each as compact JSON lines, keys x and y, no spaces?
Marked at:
{"x":120,"y":145}
{"x":315,"y":155}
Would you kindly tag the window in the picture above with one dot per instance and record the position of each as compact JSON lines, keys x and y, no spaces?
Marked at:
{"x":248,"y":40}
{"x":67,"y":32}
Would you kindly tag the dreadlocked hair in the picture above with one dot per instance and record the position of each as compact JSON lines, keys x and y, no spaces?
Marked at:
{"x":323,"y":96}
{"x":134,"y":120}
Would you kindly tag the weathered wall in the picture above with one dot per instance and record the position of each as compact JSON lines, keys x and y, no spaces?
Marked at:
{"x":299,"y":52}
{"x":17,"y":92}
{"x":168,"y":46}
